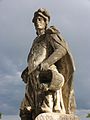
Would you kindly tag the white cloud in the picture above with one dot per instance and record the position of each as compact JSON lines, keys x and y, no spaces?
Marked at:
{"x":11,"y":93}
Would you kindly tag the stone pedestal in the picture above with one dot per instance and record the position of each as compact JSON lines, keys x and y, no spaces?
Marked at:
{"x":56,"y":116}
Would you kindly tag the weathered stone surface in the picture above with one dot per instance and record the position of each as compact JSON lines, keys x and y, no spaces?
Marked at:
{"x":56,"y":116}
{"x":49,"y":74}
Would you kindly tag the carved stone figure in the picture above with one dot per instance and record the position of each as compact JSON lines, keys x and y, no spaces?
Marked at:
{"x":49,"y":73}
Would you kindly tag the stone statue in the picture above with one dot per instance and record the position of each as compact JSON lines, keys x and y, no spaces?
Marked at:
{"x":49,"y":73}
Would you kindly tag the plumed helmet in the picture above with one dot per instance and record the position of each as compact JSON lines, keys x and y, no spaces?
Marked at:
{"x":43,"y":13}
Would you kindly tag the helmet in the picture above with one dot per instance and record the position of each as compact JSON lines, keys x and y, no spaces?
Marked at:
{"x":43,"y":13}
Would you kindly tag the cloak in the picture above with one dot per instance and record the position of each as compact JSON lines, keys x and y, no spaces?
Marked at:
{"x":65,"y":64}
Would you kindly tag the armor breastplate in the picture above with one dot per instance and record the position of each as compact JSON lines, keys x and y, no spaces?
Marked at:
{"x":38,"y":53}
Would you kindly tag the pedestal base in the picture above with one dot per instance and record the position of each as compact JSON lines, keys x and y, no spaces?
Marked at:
{"x":56,"y":116}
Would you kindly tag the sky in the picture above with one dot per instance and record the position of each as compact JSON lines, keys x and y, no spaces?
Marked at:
{"x":71,"y":17}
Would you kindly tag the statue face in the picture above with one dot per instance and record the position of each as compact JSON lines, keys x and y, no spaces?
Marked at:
{"x":40,"y":23}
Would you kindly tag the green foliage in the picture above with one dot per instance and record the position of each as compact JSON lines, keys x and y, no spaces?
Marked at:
{"x":0,"y":115}
{"x":88,"y":116}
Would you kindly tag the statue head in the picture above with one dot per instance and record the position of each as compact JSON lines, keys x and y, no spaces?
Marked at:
{"x":43,"y":15}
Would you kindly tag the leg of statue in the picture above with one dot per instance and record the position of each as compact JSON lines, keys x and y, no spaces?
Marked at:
{"x":58,"y":102}
{"x":47,"y":105}
{"x":56,"y":97}
{"x":25,"y":115}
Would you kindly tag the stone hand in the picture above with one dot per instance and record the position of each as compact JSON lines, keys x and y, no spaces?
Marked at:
{"x":44,"y":66}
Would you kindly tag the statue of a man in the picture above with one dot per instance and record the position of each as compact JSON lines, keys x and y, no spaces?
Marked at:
{"x":49,"y":74}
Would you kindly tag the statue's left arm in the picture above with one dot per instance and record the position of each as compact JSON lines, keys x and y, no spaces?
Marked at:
{"x":59,"y":48}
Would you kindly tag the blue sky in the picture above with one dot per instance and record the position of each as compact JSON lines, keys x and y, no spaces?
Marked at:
{"x":17,"y":32}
